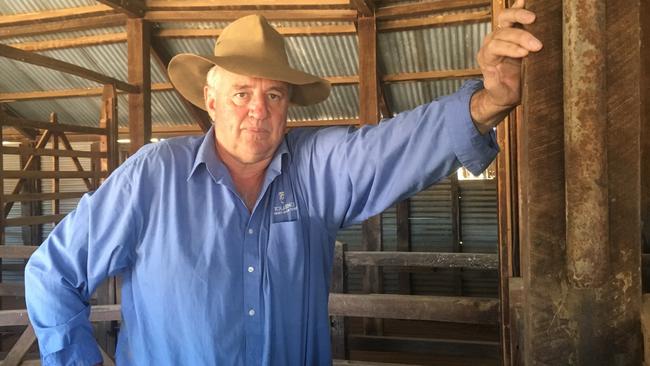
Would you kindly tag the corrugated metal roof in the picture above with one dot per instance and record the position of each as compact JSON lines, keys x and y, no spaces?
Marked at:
{"x":408,"y":95}
{"x":8,"y":7}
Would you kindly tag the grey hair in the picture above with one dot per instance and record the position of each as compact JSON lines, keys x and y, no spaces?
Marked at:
{"x":212,"y":79}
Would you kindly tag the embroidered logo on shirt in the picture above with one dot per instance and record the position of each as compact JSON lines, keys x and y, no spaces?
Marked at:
{"x":284,"y":207}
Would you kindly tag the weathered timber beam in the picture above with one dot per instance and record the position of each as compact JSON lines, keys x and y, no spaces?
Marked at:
{"x":433,"y":21}
{"x":365,"y":8}
{"x":439,"y":347}
{"x":16,"y":251}
{"x":20,"y":122}
{"x":19,"y":350}
{"x":428,"y":7}
{"x":70,"y":42}
{"x":89,"y":22}
{"x":212,"y":4}
{"x":98,"y":313}
{"x":333,"y":29}
{"x":12,"y":289}
{"x":139,"y":72}
{"x":471,"y":310}
{"x":41,"y":196}
{"x":25,"y":150}
{"x":54,"y":64}
{"x":431,"y":75}
{"x":53,"y":15}
{"x":422,"y":259}
{"x":227,"y":15}
{"x":132,"y":8}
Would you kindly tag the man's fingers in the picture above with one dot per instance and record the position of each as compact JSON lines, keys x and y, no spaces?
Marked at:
{"x":511,"y":16}
{"x":497,"y":49}
{"x":519,"y":4}
{"x":520,"y":37}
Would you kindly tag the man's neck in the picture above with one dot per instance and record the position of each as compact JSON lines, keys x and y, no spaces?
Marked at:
{"x":247,"y":178}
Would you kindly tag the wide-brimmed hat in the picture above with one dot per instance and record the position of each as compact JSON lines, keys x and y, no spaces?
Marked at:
{"x":248,"y":46}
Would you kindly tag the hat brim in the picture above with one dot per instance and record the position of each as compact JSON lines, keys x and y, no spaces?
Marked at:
{"x":187,"y":72}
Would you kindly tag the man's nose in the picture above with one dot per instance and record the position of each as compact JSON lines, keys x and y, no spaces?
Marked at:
{"x":258,"y":107}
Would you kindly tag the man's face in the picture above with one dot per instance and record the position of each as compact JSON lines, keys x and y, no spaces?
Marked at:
{"x":249,"y":114}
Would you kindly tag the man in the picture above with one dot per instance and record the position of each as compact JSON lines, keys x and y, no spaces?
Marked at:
{"x":225,"y":242}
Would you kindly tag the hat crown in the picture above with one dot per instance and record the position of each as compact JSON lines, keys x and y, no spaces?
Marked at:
{"x":254,"y":38}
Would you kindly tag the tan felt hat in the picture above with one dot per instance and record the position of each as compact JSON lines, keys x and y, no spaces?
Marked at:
{"x":248,"y":46}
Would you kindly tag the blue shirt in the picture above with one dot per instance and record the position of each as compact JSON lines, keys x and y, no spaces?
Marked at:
{"x":205,"y":282}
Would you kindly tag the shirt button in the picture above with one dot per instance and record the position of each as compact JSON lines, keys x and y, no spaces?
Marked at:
{"x":251,"y":312}
{"x":251,"y":231}
{"x":251,"y":269}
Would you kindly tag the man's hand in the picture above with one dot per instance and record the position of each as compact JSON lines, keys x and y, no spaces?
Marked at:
{"x":500,"y":61}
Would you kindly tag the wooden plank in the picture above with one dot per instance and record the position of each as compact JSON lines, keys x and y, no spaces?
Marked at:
{"x":42,"y":196}
{"x":645,"y":136}
{"x":31,"y":174}
{"x":456,"y":348}
{"x":16,"y":251}
{"x":54,"y":64}
{"x":87,"y":22}
{"x":85,"y":41}
{"x":471,"y":310}
{"x":431,"y":75}
{"x":42,"y":141}
{"x":316,"y":30}
{"x":12,"y":289}
{"x":645,"y":327}
{"x":132,"y":8}
{"x":51,"y":152}
{"x":422,"y":259}
{"x":210,"y":4}
{"x":53,"y":15}
{"x":33,"y":220}
{"x":99,"y":313}
{"x":272,"y":15}
{"x":365,"y":8}
{"x":19,"y":350}
{"x":19,"y":122}
{"x":56,"y":186}
{"x":433,"y":21}
{"x":139,"y":66}
{"x":70,"y":93}
{"x":77,"y":163}
{"x":427,"y":7}
{"x":163,"y":57}
{"x":337,"y":362}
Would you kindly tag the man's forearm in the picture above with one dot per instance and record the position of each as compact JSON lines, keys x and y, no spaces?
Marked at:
{"x":485,"y":114}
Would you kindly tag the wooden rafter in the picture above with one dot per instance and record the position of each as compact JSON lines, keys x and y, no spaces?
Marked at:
{"x":54,"y":64}
{"x":19,"y":350}
{"x":211,"y":4}
{"x":428,"y":7}
{"x":90,"y":22}
{"x":365,"y":7}
{"x":431,"y":75}
{"x":434,"y":21}
{"x":53,"y":15}
{"x":333,"y":29}
{"x":162,"y":57}
{"x":227,"y":15}
{"x":37,"y":46}
{"x":132,"y":8}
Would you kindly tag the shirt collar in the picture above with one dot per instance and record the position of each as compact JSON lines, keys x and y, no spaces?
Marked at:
{"x":207,"y":155}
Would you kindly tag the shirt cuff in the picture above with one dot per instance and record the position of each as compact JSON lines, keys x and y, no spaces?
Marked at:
{"x":473,"y":150}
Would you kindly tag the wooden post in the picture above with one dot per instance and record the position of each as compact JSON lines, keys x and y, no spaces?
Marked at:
{"x":369,"y":114}
{"x":564,"y":324}
{"x":56,"y":209}
{"x":31,"y":234}
{"x":338,"y":285}
{"x":139,"y":37}
{"x":404,"y":242}
{"x":645,"y":137}
{"x":456,"y":232}
{"x":108,"y":120}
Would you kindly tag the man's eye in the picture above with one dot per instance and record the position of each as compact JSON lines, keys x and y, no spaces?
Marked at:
{"x":274,"y":96}
{"x":240,"y":95}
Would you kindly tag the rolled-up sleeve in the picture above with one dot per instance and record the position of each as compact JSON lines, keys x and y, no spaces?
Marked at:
{"x":352,"y":174}
{"x":91,"y":243}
